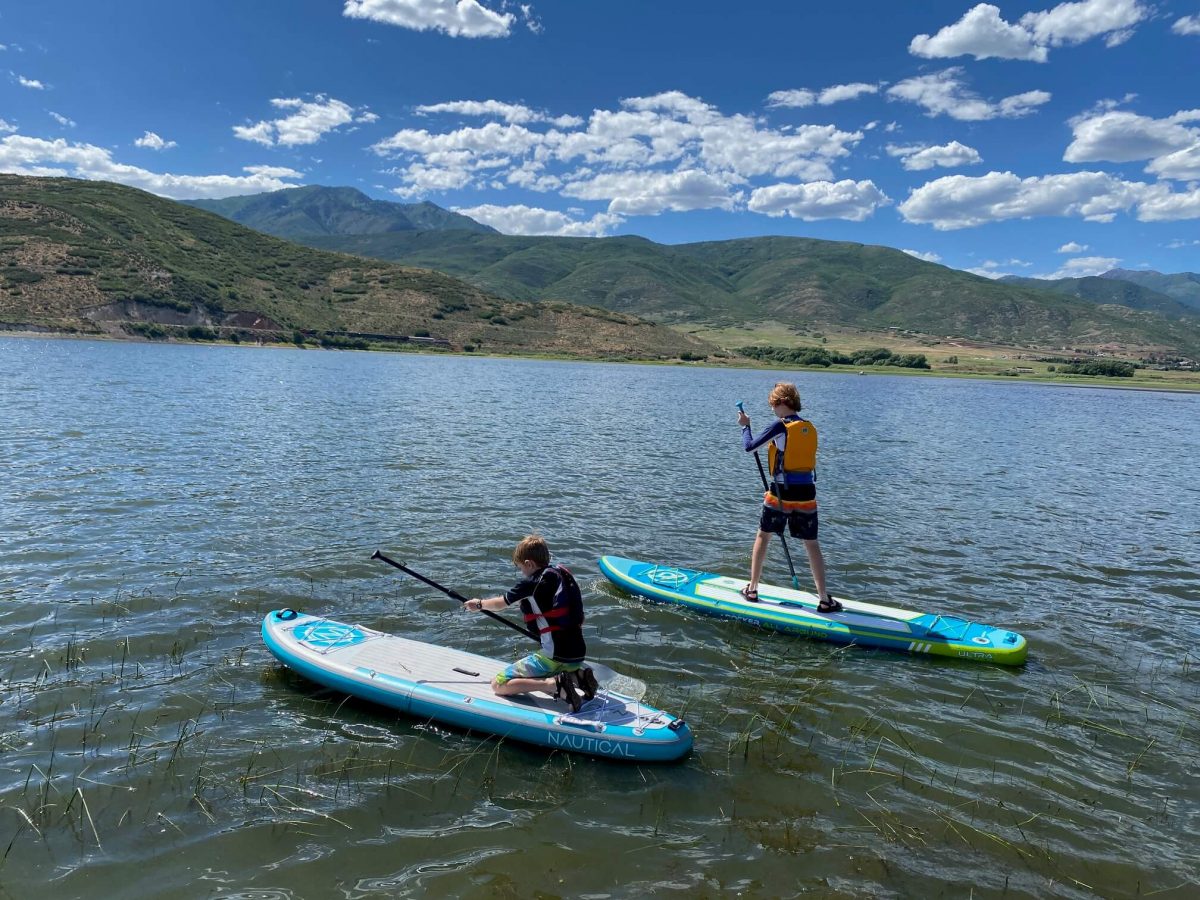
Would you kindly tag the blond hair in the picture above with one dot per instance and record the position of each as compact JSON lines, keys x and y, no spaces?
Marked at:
{"x":786,"y":393}
{"x":532,"y":547}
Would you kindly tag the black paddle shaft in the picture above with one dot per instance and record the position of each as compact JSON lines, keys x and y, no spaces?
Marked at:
{"x":450,"y":592}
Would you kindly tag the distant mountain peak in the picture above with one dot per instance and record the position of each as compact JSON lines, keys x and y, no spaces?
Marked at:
{"x":316,"y":210}
{"x":1123,"y":273}
{"x":1181,"y":286}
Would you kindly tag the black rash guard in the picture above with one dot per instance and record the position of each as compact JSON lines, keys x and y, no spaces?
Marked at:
{"x":553,"y":605}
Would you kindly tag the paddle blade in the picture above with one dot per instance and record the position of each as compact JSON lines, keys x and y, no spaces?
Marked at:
{"x":615,"y":682}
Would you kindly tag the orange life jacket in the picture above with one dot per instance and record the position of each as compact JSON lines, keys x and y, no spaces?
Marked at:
{"x":799,"y":449}
{"x":799,"y":457}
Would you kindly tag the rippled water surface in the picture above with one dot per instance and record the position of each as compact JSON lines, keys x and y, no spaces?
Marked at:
{"x":156,"y":502}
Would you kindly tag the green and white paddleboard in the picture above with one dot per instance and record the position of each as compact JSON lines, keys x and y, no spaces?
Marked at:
{"x":788,"y":610}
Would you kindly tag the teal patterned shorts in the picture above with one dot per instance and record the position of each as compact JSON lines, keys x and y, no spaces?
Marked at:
{"x":535,"y":665}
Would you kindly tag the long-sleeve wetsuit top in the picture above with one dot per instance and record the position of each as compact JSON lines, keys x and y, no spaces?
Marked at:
{"x":777,"y":432}
{"x":551,"y":603}
{"x":790,"y":486}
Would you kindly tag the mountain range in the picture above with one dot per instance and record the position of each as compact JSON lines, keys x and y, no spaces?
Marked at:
{"x":99,"y":258}
{"x":1182,"y":286}
{"x":803,"y":283}
{"x":1106,"y":289}
{"x":95,"y":256}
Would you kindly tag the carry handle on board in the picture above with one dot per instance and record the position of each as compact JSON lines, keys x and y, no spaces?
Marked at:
{"x":625,"y":685}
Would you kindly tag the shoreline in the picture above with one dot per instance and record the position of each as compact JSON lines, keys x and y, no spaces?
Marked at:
{"x":1099,"y":381}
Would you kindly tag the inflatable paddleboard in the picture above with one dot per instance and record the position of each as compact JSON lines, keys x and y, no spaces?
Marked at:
{"x":454,"y":687}
{"x":793,"y":611}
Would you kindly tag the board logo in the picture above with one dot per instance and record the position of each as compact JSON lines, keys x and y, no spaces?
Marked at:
{"x":591,"y":745}
{"x":667,"y":577}
{"x":329,"y":635}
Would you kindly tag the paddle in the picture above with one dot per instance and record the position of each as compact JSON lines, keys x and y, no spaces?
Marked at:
{"x":762,"y":473}
{"x":625,"y":685}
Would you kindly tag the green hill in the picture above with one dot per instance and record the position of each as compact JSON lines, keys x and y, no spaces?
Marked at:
{"x":620,"y":273}
{"x":801,"y":282}
{"x":307,"y":211}
{"x":93,"y":257}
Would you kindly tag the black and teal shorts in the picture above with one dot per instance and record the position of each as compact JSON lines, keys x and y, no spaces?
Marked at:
{"x":801,"y":524}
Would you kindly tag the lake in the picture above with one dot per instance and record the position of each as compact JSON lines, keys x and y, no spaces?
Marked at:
{"x":157,"y":501}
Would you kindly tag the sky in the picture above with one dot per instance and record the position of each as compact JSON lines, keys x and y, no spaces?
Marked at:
{"x":1004,"y":139}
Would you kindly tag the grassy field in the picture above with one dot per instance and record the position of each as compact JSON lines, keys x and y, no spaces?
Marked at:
{"x":975,"y":359}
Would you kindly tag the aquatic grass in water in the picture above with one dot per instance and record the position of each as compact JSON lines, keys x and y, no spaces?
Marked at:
{"x":160,"y":771}
{"x":74,"y":701}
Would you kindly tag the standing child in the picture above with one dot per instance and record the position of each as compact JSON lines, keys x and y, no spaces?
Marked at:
{"x":792,"y":493}
{"x":552,"y":605}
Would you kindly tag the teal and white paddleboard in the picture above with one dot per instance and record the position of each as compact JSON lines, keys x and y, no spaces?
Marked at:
{"x":452,"y":686}
{"x":794,"y":611}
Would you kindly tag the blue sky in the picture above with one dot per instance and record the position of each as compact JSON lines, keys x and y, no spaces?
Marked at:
{"x":1017,"y":138}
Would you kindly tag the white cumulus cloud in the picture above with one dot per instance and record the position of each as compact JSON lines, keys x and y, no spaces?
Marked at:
{"x":960,"y":201}
{"x":980,"y":33}
{"x":852,"y":200}
{"x":1161,"y":204}
{"x":1072,"y":247}
{"x":918,"y":157}
{"x":62,"y":120}
{"x":984,"y":34}
{"x":273,"y":171}
{"x":519,"y":219}
{"x":1074,"y":23}
{"x":802,"y":97}
{"x":310,"y":120}
{"x":457,"y":18}
{"x":1187,"y":25}
{"x":152,"y":141}
{"x":992,"y":268}
{"x":31,"y":83}
{"x":1083,"y":266}
{"x":420,"y":179}
{"x":1118,"y":136}
{"x":944,"y":93}
{"x":1182,"y":165}
{"x":513,"y":113}
{"x":35,"y":156}
{"x":7,"y":127}
{"x":650,"y":193}
{"x":652,"y":154}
